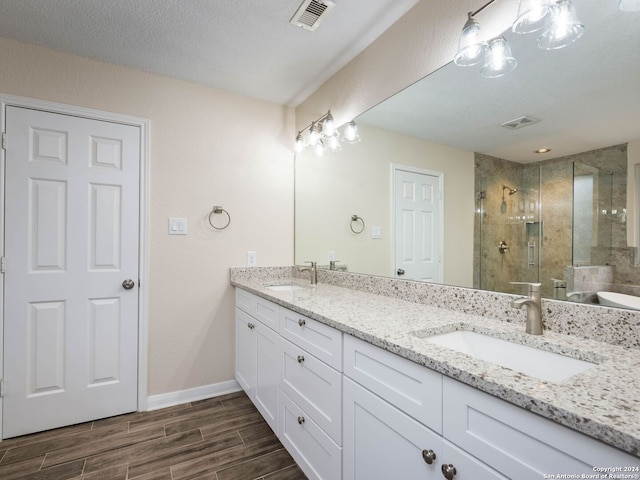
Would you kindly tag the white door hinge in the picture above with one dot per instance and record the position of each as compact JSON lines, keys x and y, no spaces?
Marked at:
{"x":2,"y":264}
{"x":4,"y":140}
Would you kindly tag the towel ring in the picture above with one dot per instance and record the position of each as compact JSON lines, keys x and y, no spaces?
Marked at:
{"x":216,"y":210}
{"x":355,"y":218}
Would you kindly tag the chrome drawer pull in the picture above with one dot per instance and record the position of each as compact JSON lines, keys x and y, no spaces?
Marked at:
{"x":428,"y":456}
{"x":448,"y":471}
{"x":300,"y":358}
{"x":251,"y":326}
{"x":300,"y":420}
{"x":301,"y":322}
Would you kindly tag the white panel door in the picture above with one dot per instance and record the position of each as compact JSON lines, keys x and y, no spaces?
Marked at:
{"x":71,"y":228}
{"x":418,"y":226}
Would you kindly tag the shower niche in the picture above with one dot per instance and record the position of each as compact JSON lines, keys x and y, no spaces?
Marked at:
{"x":564,"y":221}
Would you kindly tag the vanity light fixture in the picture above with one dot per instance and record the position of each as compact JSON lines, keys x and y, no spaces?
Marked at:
{"x":323,"y":136}
{"x":629,"y":5}
{"x":556,"y":18}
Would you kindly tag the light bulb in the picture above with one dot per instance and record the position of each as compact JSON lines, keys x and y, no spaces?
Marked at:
{"x":564,"y":29}
{"x":471,"y":47}
{"x":351,"y":133}
{"x":314,"y":134}
{"x":328,"y":126}
{"x":333,"y":144}
{"x":499,"y":60}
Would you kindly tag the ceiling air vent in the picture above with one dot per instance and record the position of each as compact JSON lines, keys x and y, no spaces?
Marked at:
{"x":519,"y":122}
{"x":311,"y":13}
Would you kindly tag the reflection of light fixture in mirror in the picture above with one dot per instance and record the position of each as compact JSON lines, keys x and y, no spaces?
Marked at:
{"x":564,"y":27}
{"x":471,"y":48}
{"x":323,"y":136}
{"x":629,"y":5}
{"x":532,"y":16}
{"x":350,"y":134}
{"x":499,"y":60}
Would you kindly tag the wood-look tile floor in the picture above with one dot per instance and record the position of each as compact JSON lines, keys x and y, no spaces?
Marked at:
{"x":222,"y":438}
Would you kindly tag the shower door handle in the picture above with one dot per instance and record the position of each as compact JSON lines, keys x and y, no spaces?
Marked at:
{"x":531,"y":253}
{"x":400,"y":272}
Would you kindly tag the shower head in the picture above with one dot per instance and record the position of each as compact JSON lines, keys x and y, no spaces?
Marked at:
{"x":511,"y":190}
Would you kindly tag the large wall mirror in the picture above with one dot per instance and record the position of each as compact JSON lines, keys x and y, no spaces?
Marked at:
{"x":451,"y":159}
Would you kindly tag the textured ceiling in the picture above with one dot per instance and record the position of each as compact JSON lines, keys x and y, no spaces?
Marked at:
{"x":243,"y":46}
{"x":586,"y":95}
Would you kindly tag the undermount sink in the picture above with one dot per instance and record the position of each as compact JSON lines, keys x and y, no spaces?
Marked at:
{"x":284,"y":288}
{"x":550,"y":366}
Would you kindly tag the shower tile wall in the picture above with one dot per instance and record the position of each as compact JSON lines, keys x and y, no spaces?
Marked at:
{"x":546,"y":219}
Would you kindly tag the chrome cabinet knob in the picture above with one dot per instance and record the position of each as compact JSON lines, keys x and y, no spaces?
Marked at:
{"x":128,"y":284}
{"x":300,"y":358}
{"x":300,"y":420}
{"x":251,"y":326}
{"x":428,"y":456}
{"x":400,"y":272}
{"x":301,"y":322}
{"x":448,"y":471}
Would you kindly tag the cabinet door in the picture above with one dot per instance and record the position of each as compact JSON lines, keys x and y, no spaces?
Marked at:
{"x":268,"y":348}
{"x":379,"y":441}
{"x":245,"y":352}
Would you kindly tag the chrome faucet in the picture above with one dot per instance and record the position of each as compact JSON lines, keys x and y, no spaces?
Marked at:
{"x":313,"y":271}
{"x":533,"y":305}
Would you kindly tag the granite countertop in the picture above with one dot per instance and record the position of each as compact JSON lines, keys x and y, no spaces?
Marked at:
{"x":603,"y":402}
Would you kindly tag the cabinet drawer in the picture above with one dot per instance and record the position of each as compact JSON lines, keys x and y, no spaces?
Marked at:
{"x":264,"y":310}
{"x":314,"y":386}
{"x":410,"y":387}
{"x":518,"y":443}
{"x":318,"y":339}
{"x":312,"y":449}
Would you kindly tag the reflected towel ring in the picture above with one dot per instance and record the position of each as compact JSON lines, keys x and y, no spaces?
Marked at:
{"x":355,"y":218}
{"x":217,"y":210}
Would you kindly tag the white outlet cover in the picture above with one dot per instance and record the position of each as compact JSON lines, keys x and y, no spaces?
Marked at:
{"x":376,"y":232}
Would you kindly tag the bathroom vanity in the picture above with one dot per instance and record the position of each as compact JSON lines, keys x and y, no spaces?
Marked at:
{"x":355,"y":388}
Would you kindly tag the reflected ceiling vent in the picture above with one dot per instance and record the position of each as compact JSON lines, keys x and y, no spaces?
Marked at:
{"x":311,"y":12}
{"x":519,"y":122}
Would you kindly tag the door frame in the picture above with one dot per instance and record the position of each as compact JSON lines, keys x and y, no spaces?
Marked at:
{"x":395,"y":167}
{"x":143,"y":243}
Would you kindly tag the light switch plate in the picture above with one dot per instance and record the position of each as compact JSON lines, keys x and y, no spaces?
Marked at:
{"x":376,"y":232}
{"x":252,"y":259}
{"x":177,"y":226}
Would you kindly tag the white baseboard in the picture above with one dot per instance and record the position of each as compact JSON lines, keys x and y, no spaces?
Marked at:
{"x":163,"y":400}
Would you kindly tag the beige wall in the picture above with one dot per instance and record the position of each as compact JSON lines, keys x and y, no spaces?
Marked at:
{"x":357,"y":180}
{"x":208,"y":147}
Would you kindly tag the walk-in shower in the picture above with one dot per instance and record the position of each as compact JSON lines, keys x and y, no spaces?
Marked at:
{"x":564,"y":229}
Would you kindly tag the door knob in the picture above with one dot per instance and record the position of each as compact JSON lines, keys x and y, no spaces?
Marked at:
{"x":400,"y":272}
{"x":128,"y":284}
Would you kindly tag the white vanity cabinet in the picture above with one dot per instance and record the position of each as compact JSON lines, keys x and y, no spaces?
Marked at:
{"x":258,"y":351}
